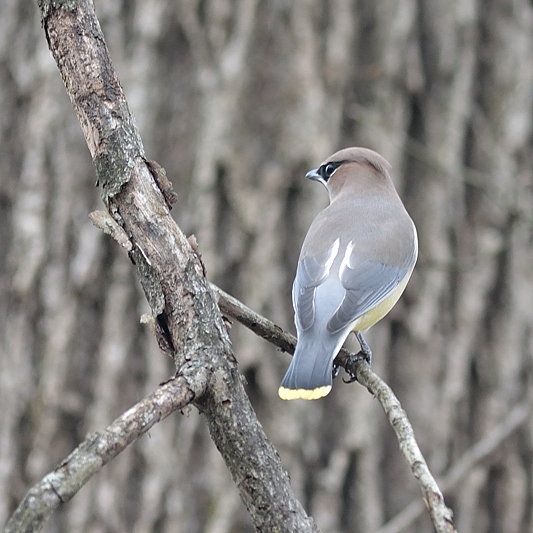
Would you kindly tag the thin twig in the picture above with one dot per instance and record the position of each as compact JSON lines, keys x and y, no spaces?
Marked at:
{"x":473,"y":456}
{"x":60,"y":485}
{"x":441,"y":515}
{"x":260,"y":325}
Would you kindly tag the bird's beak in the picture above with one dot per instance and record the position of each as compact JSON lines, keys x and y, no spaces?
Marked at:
{"x":314,"y":175}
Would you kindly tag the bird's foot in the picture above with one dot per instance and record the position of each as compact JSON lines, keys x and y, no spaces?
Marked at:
{"x":351,"y":362}
{"x":366,"y":352}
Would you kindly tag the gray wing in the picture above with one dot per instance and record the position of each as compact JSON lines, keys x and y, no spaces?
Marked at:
{"x":366,"y":284}
{"x":310,"y":273}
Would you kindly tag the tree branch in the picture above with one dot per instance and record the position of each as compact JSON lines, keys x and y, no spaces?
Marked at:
{"x":473,"y":456}
{"x":170,"y":272}
{"x":260,"y":325}
{"x":60,"y":485}
{"x":441,"y":515}
{"x":98,"y":449}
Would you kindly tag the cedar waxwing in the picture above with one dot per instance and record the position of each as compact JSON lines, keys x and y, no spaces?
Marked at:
{"x":355,"y":262}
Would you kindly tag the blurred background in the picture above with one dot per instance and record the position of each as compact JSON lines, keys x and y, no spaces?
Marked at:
{"x":237,"y":99}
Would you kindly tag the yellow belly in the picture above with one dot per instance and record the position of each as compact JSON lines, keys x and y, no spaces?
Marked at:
{"x":377,"y":313}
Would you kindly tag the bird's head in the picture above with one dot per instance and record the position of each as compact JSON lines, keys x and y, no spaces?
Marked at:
{"x":349,"y":164}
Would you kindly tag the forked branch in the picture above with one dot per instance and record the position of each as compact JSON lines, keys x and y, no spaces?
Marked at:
{"x":441,"y":515}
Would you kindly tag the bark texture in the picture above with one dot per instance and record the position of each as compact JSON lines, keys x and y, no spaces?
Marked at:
{"x":237,"y":100}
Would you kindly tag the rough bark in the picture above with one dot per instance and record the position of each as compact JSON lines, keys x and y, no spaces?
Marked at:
{"x":170,"y":271}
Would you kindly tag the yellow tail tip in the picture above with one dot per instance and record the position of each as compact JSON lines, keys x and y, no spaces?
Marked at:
{"x":304,"y":394}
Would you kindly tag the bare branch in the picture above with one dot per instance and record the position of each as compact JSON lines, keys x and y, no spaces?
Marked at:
{"x":441,"y":515}
{"x":60,"y":485}
{"x":473,"y":456}
{"x":260,"y":325}
{"x":169,"y":270}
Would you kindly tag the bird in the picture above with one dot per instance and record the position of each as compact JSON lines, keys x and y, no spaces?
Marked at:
{"x":354,"y":265}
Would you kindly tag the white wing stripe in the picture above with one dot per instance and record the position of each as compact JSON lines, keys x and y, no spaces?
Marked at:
{"x":346,"y":260}
{"x":332,"y":256}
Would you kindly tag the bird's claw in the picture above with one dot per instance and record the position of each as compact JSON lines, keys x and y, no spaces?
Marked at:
{"x":351,"y":362}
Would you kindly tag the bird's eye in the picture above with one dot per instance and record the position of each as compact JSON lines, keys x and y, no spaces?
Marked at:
{"x":330,"y":168}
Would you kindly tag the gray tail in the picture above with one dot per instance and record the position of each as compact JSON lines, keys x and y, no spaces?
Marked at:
{"x":309,"y":375}
{"x":308,"y":370}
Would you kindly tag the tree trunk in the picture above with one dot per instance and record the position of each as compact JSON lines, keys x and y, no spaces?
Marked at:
{"x":237,"y":100}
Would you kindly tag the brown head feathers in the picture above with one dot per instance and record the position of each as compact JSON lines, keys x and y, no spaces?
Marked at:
{"x":361,"y":156}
